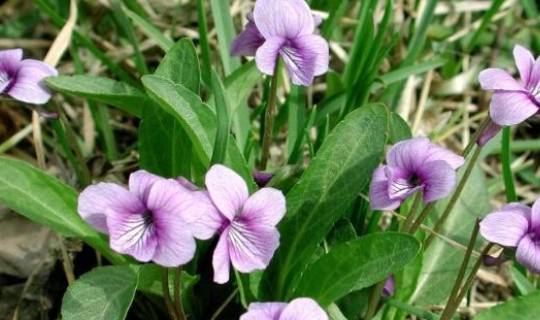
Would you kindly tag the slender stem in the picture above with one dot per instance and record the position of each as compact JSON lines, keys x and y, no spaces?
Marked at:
{"x":451,"y":309}
{"x":475,"y":137}
{"x":423,"y":215}
{"x":463,"y":267}
{"x":506,"y":155}
{"x":205,"y":46}
{"x":38,"y":139}
{"x":412,"y":213}
{"x":224,"y":305}
{"x":455,"y":196}
{"x":269,"y":119}
{"x":66,"y":261}
{"x":167,"y":294}
{"x":178,"y":294}
{"x":374,"y":300}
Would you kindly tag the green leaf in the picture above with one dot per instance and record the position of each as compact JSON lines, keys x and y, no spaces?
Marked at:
{"x":340,"y":171}
{"x":355,"y":265}
{"x":150,"y":276}
{"x":49,"y":202}
{"x":399,"y":129}
{"x":441,"y":259}
{"x":105,"y":90}
{"x":222,"y":118}
{"x":521,"y":282}
{"x":164,"y":146}
{"x":105,"y":293}
{"x":225,"y":32}
{"x":524,"y":308}
{"x":197,"y":119}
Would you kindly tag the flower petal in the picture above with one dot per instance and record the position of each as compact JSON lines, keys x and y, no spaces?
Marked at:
{"x":535,"y":216}
{"x":399,"y":187}
{"x":489,"y":133}
{"x":248,"y":41}
{"x":221,"y":259}
{"x":528,"y":254}
{"x":498,"y":79}
{"x":132,"y":234}
{"x":251,"y":247}
{"x":10,"y":56}
{"x":267,"y":55}
{"x":438,"y":178}
{"x":524,"y":63}
{"x":176,"y":245}
{"x":227,"y":190}
{"x":510,"y":108}
{"x":10,"y":61}
{"x":438,"y":153}
{"x":303,"y":309}
{"x":408,"y":155}
{"x":28,"y":86}
{"x":140,"y":183}
{"x":96,"y":200}
{"x":266,"y":206}
{"x":202,"y":216}
{"x":264,"y":311}
{"x":305,"y":57}
{"x":283,"y":18}
{"x":504,"y":227}
{"x":378,"y":192}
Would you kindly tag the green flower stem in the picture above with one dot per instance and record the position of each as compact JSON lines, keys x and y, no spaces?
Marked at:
{"x":412,"y":213}
{"x":167,"y":294}
{"x":474,"y":139}
{"x":269,"y":119}
{"x":463,"y":268}
{"x":451,"y":308}
{"x":455,"y":196}
{"x":178,"y":294}
{"x":423,"y":215}
{"x":374,"y":300}
{"x":506,"y":155}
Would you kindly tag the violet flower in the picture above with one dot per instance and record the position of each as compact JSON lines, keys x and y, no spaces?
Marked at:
{"x":286,"y":29}
{"x":389,"y":288}
{"x":514,"y":101}
{"x":298,"y":309}
{"x":413,"y":165}
{"x":156,"y":219}
{"x":23,"y":79}
{"x":517,"y":226}
{"x":247,"y":224}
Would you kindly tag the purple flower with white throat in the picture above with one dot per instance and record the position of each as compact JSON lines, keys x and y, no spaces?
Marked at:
{"x":298,"y":309}
{"x":152,"y":220}
{"x":516,"y":226}
{"x":23,"y":79}
{"x":286,"y":29}
{"x":413,"y":165}
{"x":514,"y":101}
{"x":247,"y":224}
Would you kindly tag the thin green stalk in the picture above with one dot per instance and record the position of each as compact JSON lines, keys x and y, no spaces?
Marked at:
{"x":422,"y":314}
{"x":412,"y":213}
{"x":474,"y":139}
{"x":167,"y":294}
{"x":204,"y":43}
{"x":269,"y":119}
{"x":423,"y":215}
{"x":178,"y":294}
{"x":374,"y":300}
{"x":451,"y":309}
{"x":224,"y":304}
{"x":455,"y":196}
{"x":506,"y":155}
{"x":464,"y":264}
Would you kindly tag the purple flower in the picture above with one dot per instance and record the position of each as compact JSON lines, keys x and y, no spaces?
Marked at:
{"x":413,"y":165}
{"x":22,"y":79}
{"x":518,"y":226}
{"x":156,"y":219}
{"x":491,"y":131}
{"x":298,"y":309}
{"x":247,"y":224}
{"x":514,"y":101}
{"x":389,"y":287}
{"x":286,"y":29}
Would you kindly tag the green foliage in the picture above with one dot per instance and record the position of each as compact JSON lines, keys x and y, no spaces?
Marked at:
{"x":355,"y":265}
{"x":523,"y":308}
{"x":341,"y":169}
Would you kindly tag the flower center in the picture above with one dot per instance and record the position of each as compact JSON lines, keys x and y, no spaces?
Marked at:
{"x":4,"y":79}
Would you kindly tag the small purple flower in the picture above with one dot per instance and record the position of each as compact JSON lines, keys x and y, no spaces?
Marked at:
{"x":413,"y":165}
{"x":517,"y":226}
{"x":286,"y":29}
{"x":262,"y":178}
{"x":298,"y":309}
{"x":247,"y":224}
{"x":155,"y":220}
{"x":23,"y":79}
{"x":514,"y":101}
{"x":491,"y":131}
{"x":389,"y":287}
